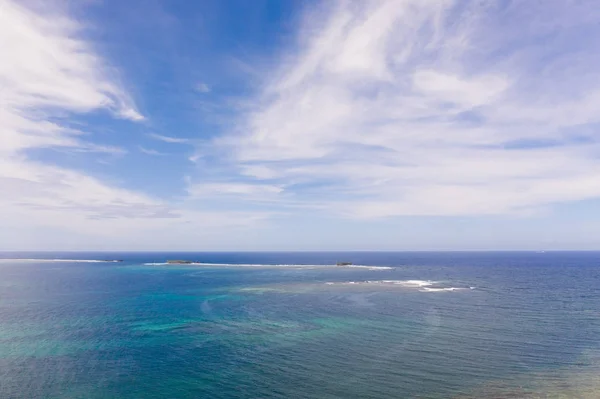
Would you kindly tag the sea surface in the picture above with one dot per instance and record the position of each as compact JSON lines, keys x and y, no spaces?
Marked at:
{"x":294,"y":325}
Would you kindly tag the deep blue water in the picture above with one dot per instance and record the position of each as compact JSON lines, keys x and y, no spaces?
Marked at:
{"x":432,"y":325}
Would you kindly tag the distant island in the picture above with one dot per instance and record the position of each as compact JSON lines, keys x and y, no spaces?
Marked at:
{"x":344,"y":264}
{"x":180,"y":262}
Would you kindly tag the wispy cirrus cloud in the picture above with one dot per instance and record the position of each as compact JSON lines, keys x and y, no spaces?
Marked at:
{"x":168,"y":139}
{"x":202,"y":88}
{"x":404,"y":107}
{"x":49,"y":74}
{"x":150,"y":151}
{"x":244,"y":191}
{"x":380,"y":108}
{"x":44,"y":67}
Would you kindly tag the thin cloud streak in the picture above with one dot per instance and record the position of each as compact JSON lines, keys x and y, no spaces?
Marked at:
{"x":149,"y":151}
{"x":238,"y":191}
{"x":202,"y":88}
{"x":168,"y":139}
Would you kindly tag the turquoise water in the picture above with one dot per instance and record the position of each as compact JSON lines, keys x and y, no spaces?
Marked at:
{"x":290,"y":325}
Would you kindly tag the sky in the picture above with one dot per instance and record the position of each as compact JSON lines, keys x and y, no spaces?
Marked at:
{"x":299,"y":125}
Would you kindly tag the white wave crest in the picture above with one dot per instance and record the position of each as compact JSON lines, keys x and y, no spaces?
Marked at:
{"x":224,"y":264}
{"x":266,"y":265}
{"x":368,"y":267}
{"x":404,"y":283}
{"x":60,"y":260}
{"x":411,"y":283}
{"x":421,"y":285}
{"x":446,"y":289}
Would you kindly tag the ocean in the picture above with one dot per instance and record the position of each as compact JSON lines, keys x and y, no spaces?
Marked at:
{"x":293,"y":325}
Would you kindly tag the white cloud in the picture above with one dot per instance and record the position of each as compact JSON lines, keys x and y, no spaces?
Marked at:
{"x":451,"y":89}
{"x":44,"y":67}
{"x":394,"y":107}
{"x":411,"y":107}
{"x":149,"y":151}
{"x":241,"y":190}
{"x":259,"y":171}
{"x":48,"y":75}
{"x":202,"y":88}
{"x":168,"y":139}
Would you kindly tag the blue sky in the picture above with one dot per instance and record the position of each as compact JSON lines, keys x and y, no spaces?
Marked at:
{"x":299,"y":125}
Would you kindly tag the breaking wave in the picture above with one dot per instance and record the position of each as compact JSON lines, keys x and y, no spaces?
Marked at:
{"x":421,"y":285}
{"x":446,"y":289}
{"x":404,"y":283}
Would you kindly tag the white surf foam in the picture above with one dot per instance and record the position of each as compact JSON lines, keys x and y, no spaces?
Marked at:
{"x":421,"y":285}
{"x":227,"y":264}
{"x":446,"y":289}
{"x":404,"y":283}
{"x":267,"y":265}
{"x":368,"y":267}
{"x":60,"y":260}
{"x":251,"y":265}
{"x":411,"y":283}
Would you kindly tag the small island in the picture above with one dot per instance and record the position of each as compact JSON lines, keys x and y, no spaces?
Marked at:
{"x":179,"y":262}
{"x":343,"y":264}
